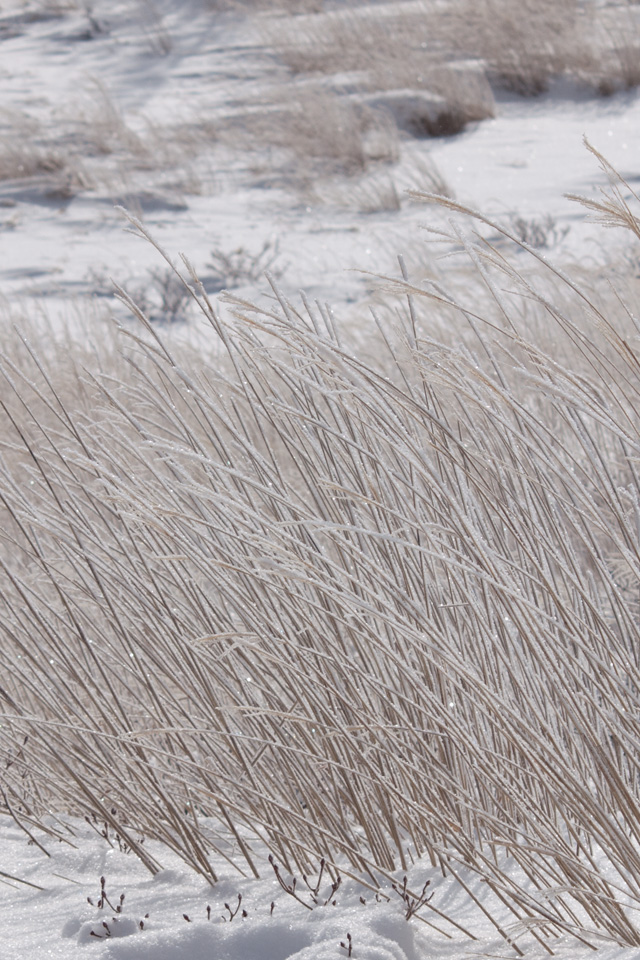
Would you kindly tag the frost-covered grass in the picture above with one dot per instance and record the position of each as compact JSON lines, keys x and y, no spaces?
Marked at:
{"x":368,"y":599}
{"x":453,"y":50}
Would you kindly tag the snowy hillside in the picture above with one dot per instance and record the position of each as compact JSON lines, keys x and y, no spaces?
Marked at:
{"x":183,"y":114}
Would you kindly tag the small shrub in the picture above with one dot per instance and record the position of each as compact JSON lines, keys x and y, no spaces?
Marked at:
{"x":542,"y":233}
{"x":110,"y":923}
{"x":162,"y":296}
{"x":241,"y":266}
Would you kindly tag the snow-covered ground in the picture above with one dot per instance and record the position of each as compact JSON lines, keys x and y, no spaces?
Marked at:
{"x":138,"y":104}
{"x":134,"y":104}
{"x":176,"y":915}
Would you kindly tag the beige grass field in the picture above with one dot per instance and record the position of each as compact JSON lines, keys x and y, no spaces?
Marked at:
{"x":364,"y":591}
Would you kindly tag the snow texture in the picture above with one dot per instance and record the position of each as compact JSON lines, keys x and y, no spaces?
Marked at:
{"x":57,"y":921}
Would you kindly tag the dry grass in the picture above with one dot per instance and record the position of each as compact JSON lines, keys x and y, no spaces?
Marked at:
{"x":316,"y":133}
{"x":381,"y":189}
{"x":384,"y":48}
{"x":47,"y":172}
{"x":423,"y":45}
{"x":361,"y":607}
{"x":41,"y":9}
{"x":374,"y":194}
{"x":100,"y":127}
{"x":18,"y":161}
{"x":94,"y":146}
{"x":365,"y":76}
{"x":615,"y":50}
{"x":524,"y":46}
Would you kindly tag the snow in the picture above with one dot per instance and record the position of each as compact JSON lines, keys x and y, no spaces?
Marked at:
{"x":57,"y":921}
{"x":154,"y":126}
{"x":170,"y":75}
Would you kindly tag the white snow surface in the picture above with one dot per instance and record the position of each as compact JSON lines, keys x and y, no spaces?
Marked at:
{"x":57,"y":921}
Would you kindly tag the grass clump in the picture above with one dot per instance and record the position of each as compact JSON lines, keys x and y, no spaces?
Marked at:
{"x":524,"y":46}
{"x":460,"y":51}
{"x":373,"y":49}
{"x":357,"y":607}
{"x":316,"y":134}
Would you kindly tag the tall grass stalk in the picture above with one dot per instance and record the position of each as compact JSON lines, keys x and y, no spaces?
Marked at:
{"x":369,"y":610}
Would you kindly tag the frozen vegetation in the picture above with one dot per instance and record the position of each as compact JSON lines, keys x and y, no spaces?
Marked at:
{"x":319,"y":611}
